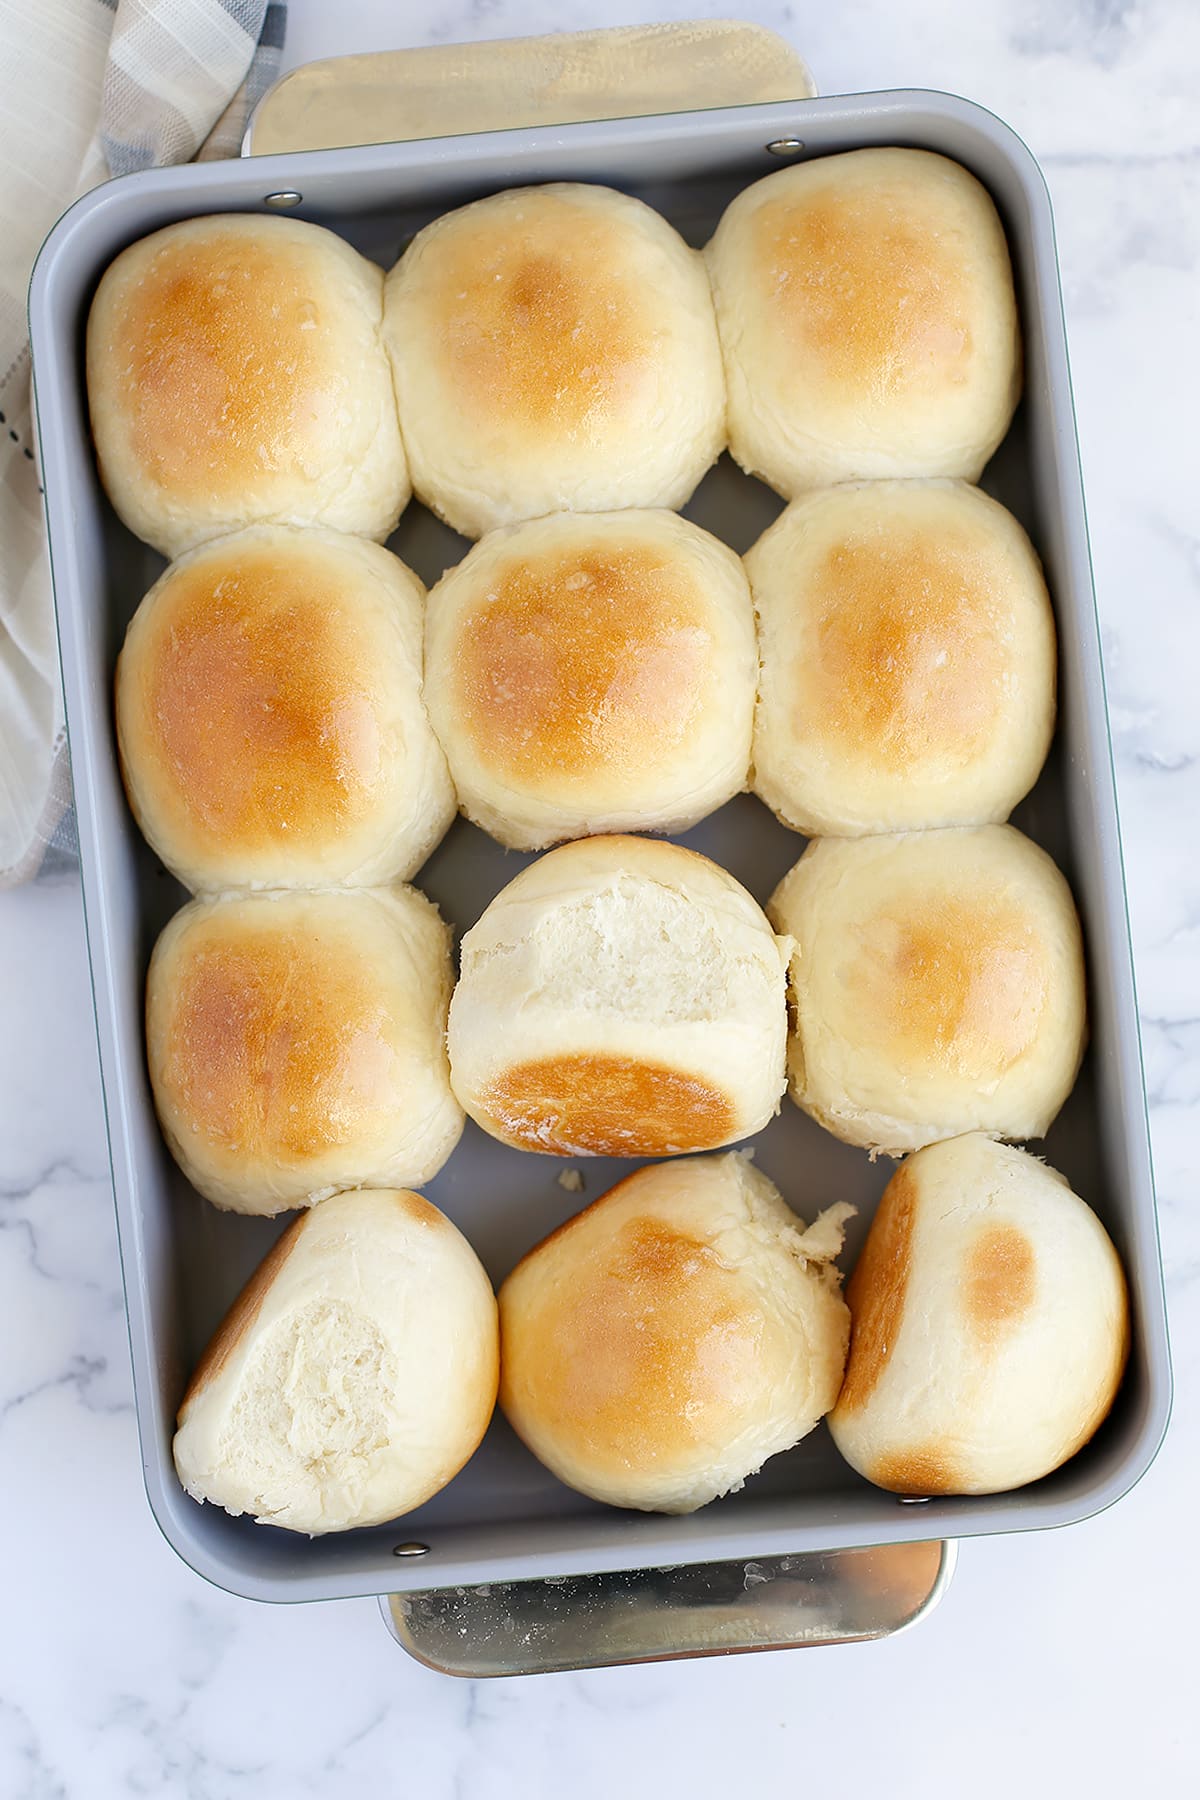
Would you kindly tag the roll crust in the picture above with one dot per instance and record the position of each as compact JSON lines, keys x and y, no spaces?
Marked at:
{"x":661,"y":1345}
{"x":868,"y":321}
{"x":236,"y":374}
{"x":937,"y":986}
{"x":352,"y":1377}
{"x":590,"y":674}
{"x":554,"y":350}
{"x":908,"y":660}
{"x":620,"y":997}
{"x":270,"y":717}
{"x":295,"y":1044}
{"x":990,"y":1325}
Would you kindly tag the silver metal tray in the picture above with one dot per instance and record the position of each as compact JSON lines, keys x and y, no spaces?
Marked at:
{"x":505,"y":1519}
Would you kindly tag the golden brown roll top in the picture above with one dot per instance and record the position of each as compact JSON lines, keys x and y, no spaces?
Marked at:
{"x":660,"y":1346}
{"x":990,"y":1325}
{"x":295,"y":1044}
{"x":352,"y":1377}
{"x":236,"y":373}
{"x":868,"y":321}
{"x":593,"y":673}
{"x":620,"y":997}
{"x":937,"y":986}
{"x":269,"y":715}
{"x":554,"y":349}
{"x":908,"y":660}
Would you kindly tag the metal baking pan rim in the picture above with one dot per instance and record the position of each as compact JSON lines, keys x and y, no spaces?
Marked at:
{"x":940,"y":1517}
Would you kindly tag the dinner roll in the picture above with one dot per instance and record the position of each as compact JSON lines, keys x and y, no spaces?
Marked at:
{"x":660,"y":1346}
{"x":554,"y":350}
{"x":937,"y":986}
{"x":295,"y":1044}
{"x":908,"y":660}
{"x":867,"y":319}
{"x":236,"y":373}
{"x":269,"y":715}
{"x":990,"y":1325}
{"x":621,"y":997}
{"x":352,"y":1377}
{"x":592,"y":673}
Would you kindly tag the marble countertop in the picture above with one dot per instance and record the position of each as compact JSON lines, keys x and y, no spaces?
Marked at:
{"x":1061,"y":1662}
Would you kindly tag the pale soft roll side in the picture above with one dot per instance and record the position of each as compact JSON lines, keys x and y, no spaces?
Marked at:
{"x":593,"y":673}
{"x":270,"y":719}
{"x":936,"y":984}
{"x":620,"y":997}
{"x":554,"y":350}
{"x":868,"y":321}
{"x":236,"y":374}
{"x":660,"y":1346}
{"x":296,"y":1045}
{"x":352,"y":1377}
{"x":908,"y":660}
{"x":990,"y":1325}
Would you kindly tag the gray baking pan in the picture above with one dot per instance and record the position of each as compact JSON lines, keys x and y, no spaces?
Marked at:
{"x":505,"y":1518}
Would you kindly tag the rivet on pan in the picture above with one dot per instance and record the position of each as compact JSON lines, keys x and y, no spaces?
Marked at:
{"x":786,"y":146}
{"x":913,"y":1499}
{"x":411,"y":1550}
{"x":282,"y":200}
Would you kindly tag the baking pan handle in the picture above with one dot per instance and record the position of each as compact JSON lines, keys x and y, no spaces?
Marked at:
{"x":452,"y":90}
{"x":657,"y":1615}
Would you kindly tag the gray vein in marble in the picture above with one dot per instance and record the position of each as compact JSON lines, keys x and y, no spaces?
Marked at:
{"x":1096,"y":31}
{"x":1182,"y":934}
{"x":37,"y":1779}
{"x":335,"y":1762}
{"x":59,"y":1173}
{"x":209,"y":1639}
{"x":1182,"y":541}
{"x":168,"y":1751}
{"x":23,"y":1228}
{"x":1134,"y":161}
{"x":17,"y":1225}
{"x":1155,"y":762}
{"x":1100,"y":30}
{"x":80,"y":1375}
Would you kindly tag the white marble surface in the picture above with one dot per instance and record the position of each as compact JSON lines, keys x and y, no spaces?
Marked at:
{"x":1060,"y":1663}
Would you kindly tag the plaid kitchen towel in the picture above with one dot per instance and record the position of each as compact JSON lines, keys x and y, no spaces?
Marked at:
{"x":88,"y":89}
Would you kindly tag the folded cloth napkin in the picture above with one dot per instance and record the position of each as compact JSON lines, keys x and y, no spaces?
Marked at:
{"x":88,"y":89}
